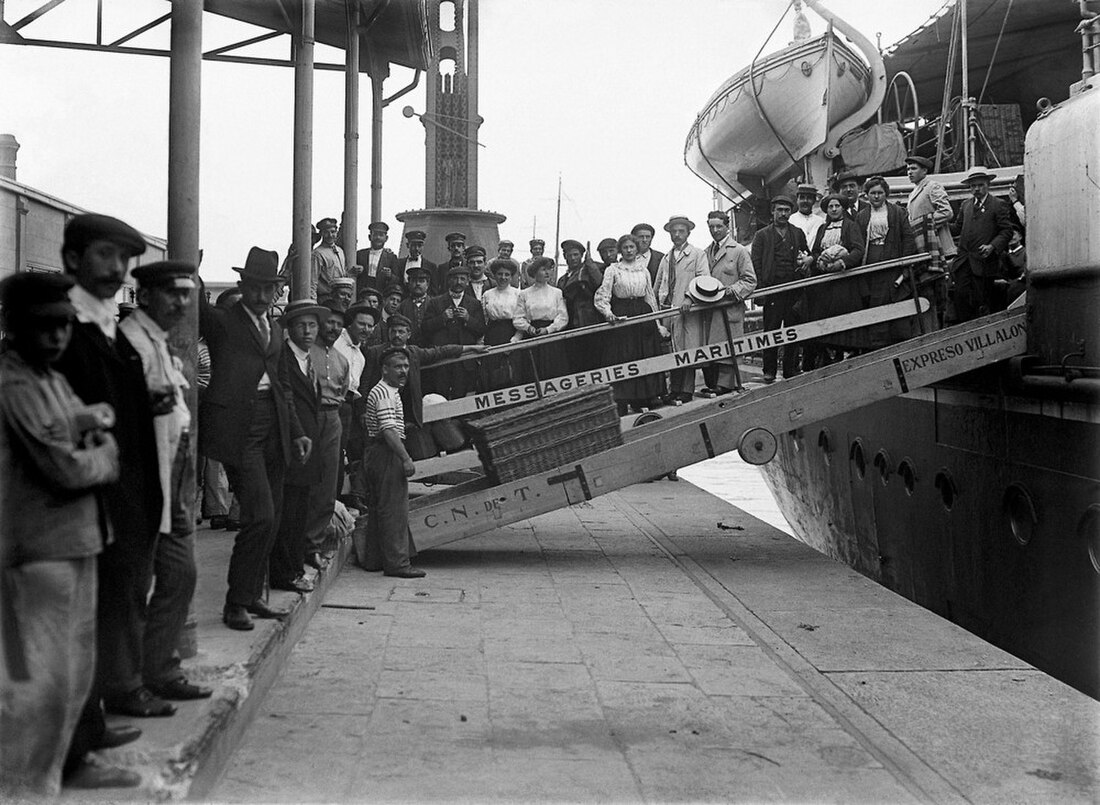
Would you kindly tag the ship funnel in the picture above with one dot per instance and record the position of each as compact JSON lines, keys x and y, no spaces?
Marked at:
{"x":8,"y":148}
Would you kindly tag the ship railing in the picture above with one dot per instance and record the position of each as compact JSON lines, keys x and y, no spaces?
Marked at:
{"x":913,"y":271}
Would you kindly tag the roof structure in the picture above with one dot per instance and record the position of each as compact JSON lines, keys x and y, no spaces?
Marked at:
{"x":1019,"y":51}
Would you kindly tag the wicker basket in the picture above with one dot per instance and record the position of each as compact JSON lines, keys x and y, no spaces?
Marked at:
{"x":547,"y":433}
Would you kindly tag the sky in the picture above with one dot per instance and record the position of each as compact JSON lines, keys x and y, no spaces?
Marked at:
{"x":600,"y":92}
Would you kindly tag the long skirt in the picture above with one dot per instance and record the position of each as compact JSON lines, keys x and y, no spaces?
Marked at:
{"x":631,"y":343}
{"x":549,"y":361}
{"x":497,"y":372}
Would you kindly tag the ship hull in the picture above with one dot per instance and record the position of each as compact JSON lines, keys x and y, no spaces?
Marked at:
{"x":1004,"y":551}
{"x":802,"y":90}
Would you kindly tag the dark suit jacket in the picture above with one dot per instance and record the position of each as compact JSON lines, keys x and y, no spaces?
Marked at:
{"x":306,"y":401}
{"x":856,"y":209}
{"x":763,"y":253}
{"x":387,"y":271}
{"x":238,"y":360}
{"x":436,"y":330}
{"x":654,"y":263}
{"x":99,"y":371}
{"x":851,"y":238}
{"x":433,"y":272}
{"x":412,"y":395}
{"x":414,"y":313}
{"x":993,"y":226}
{"x":899,"y":239}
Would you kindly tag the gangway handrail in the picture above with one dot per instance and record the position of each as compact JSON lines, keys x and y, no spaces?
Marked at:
{"x":669,"y":312}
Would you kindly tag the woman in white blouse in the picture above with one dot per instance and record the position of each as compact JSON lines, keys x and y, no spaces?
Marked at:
{"x":540,"y":310}
{"x":626,"y":291}
{"x":500,"y":303}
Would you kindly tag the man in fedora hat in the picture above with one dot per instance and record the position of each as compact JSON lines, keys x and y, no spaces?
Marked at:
{"x":379,"y":264}
{"x":983,"y":237}
{"x":928,"y":207}
{"x":51,"y":464}
{"x":327,"y":261}
{"x":779,"y":251}
{"x":679,"y":267}
{"x":731,"y":266}
{"x":165,"y":293}
{"x":414,"y":242}
{"x":848,"y":184}
{"x":248,"y":422}
{"x":102,"y":366}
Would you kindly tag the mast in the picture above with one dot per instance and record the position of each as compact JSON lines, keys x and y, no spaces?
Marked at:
{"x":969,"y":122}
{"x":557,"y":230}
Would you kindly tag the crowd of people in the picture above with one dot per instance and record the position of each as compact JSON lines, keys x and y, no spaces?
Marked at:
{"x":322,"y":400}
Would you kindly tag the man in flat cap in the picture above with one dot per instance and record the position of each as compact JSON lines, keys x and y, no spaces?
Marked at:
{"x":608,"y":250}
{"x":455,"y":317}
{"x":678,"y":268}
{"x":327,"y":260}
{"x":379,"y":263}
{"x":55,"y":452}
{"x":928,"y":207}
{"x":102,"y":366}
{"x":165,"y":293}
{"x":538,"y":246}
{"x":644,"y":234}
{"x":412,"y":308}
{"x":456,"y":246}
{"x":249,"y":423}
{"x":475,"y":261}
{"x":414,"y":242}
{"x":779,"y":251}
{"x":343,"y":293}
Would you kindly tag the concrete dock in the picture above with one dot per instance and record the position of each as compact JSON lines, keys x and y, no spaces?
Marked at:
{"x":655,"y":644}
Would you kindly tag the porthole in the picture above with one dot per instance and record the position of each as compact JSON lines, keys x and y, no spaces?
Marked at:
{"x":1088,"y":529}
{"x":908,"y":475}
{"x":859,"y":461}
{"x":825,"y":443}
{"x":882,"y":464}
{"x":1021,"y":513}
{"x":948,"y":491}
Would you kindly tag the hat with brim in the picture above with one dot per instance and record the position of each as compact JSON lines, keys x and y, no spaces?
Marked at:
{"x":358,"y":308}
{"x":304,"y":307}
{"x":537,"y":263}
{"x":327,"y":223}
{"x":394,"y":290}
{"x":783,"y":199}
{"x":506,"y":243}
{"x":165,"y":274}
{"x":924,"y":162}
{"x":607,"y":243}
{"x":260,"y":266}
{"x":536,"y":242}
{"x":679,"y":219}
{"x":567,"y":245}
{"x":455,"y":237}
{"x":417,"y":271}
{"x":381,"y":226}
{"x":89,"y":227}
{"x":415,"y":236}
{"x":398,"y":320}
{"x":979,"y":172}
{"x":806,"y":190}
{"x":454,"y":271}
{"x":29,"y":295}
{"x":342,"y":282}
{"x":705,"y":289}
{"x":475,"y":251}
{"x":831,"y":197}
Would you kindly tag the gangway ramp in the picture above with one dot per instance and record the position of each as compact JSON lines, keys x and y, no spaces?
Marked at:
{"x":748,"y":422}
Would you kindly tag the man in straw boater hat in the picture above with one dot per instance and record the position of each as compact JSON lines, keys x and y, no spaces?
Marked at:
{"x":986,"y":231}
{"x":248,"y":422}
{"x":165,"y":293}
{"x":779,"y":252}
{"x":55,"y":452}
{"x":679,"y":267}
{"x":102,"y":366}
{"x":731,"y":266}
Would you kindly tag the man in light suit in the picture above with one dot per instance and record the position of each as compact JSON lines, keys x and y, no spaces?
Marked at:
{"x":248,"y":422}
{"x":983,"y":238}
{"x":730,"y":264}
{"x":928,"y":205}
{"x":678,"y":268}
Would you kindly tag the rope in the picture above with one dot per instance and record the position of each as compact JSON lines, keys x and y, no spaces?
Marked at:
{"x":996,"y":47}
{"x":756,"y":92}
{"x":949,"y":75}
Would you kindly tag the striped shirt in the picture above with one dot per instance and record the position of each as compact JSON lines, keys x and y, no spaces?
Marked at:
{"x":384,"y":411}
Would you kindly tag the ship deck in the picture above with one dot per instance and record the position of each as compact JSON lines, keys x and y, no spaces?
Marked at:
{"x":654,"y":644}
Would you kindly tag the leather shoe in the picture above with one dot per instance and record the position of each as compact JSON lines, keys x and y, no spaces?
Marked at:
{"x":117,"y":736}
{"x":262,"y":610}
{"x":769,"y":378}
{"x":179,"y":689}
{"x":299,"y":584}
{"x":232,"y":525}
{"x":317,"y":560}
{"x":406,"y":573}
{"x":218,"y":521}
{"x":88,"y":775}
{"x":140,"y":703}
{"x":236,"y":617}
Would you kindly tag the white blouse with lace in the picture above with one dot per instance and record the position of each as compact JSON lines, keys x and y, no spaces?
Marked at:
{"x":540,"y":303}
{"x":625,"y":280}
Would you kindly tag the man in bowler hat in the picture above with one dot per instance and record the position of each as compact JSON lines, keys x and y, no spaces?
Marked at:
{"x":248,"y":422}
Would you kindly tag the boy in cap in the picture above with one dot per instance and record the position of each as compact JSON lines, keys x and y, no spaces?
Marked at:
{"x":165,"y":292}
{"x":54,"y":453}
{"x":379,"y":263}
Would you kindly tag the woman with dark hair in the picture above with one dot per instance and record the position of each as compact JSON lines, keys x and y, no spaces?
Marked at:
{"x":540,"y":310}
{"x":578,"y":285}
{"x":499,"y":304}
{"x":887,"y":236}
{"x":837,"y":247}
{"x":625,"y":292}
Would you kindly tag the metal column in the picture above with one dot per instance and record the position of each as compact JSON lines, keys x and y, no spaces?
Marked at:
{"x":379,"y":70}
{"x":349,"y":231}
{"x":303,"y":153}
